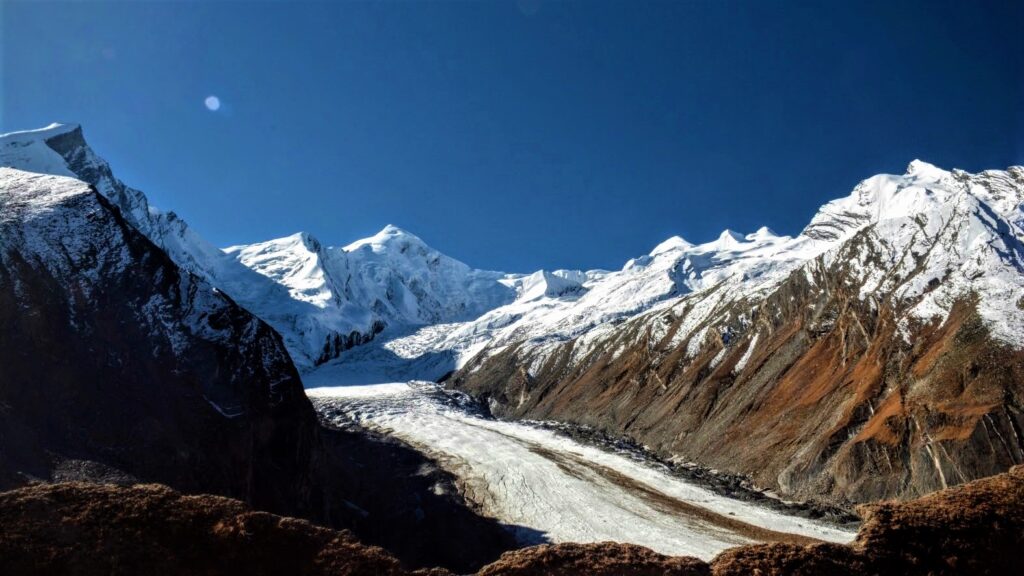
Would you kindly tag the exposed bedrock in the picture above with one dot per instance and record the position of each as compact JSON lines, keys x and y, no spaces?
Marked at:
{"x":813,"y":390}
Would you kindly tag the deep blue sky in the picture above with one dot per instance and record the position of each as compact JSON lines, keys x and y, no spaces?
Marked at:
{"x":517,"y":135}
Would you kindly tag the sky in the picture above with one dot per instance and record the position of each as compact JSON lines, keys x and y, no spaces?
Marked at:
{"x":516,"y":135}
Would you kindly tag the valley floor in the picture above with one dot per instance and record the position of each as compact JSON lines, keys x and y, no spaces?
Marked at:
{"x":550,"y":488}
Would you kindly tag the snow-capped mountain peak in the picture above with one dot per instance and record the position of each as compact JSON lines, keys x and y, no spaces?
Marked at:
{"x":925,"y":170}
{"x":544,"y":284}
{"x":728,"y":239}
{"x":673,"y":243}
{"x":762,"y":234}
{"x":293,"y":261}
{"x":389,"y":236}
{"x":961,"y":229}
{"x":27,"y":150}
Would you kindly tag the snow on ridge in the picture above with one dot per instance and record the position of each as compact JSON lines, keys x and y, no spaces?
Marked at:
{"x":392,"y":279}
{"x":673,"y":243}
{"x":27,"y":150}
{"x":60,"y":225}
{"x":907,"y":213}
{"x":46,"y":132}
{"x":314,"y":294}
{"x":318,"y":299}
{"x":543,"y":284}
{"x":762,"y":234}
{"x":388,"y":235}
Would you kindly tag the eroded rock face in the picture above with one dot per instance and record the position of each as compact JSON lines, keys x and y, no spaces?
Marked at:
{"x":116,"y":365}
{"x":811,"y":390}
{"x":879,"y":354}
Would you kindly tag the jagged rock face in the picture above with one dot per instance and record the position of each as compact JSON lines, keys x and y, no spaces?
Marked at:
{"x":110,"y":353}
{"x":831,"y":401}
{"x":888,"y":366}
{"x":119,"y":366}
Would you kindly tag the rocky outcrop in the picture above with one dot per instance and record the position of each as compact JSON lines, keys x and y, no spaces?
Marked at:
{"x":970,"y":529}
{"x":119,"y":366}
{"x":600,"y":559}
{"x":977,"y":528}
{"x":80,"y":528}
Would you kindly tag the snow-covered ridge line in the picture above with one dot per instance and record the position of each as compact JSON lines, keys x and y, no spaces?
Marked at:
{"x":326,"y":300}
{"x":322,"y":300}
{"x":942,"y":236}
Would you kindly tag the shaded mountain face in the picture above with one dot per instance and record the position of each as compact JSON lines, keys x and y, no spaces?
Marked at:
{"x":111,"y":353}
{"x":119,"y":366}
{"x":880,"y":357}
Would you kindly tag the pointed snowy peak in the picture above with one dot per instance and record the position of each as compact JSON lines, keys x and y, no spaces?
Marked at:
{"x":673,"y":243}
{"x":542,"y":284}
{"x":762,"y":234}
{"x":295,"y":262}
{"x":728,"y":239}
{"x":392,"y":230}
{"x":298,"y":242}
{"x":390,"y":235}
{"x":308,"y":240}
{"x":922,"y":169}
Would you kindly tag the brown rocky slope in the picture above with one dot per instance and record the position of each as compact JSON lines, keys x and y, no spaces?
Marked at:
{"x":78,"y":528}
{"x":811,"y":389}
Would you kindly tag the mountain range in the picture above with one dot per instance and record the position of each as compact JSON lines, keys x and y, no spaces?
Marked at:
{"x":876,"y":354}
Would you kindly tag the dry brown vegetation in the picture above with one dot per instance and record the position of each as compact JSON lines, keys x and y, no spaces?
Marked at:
{"x":79,"y":528}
